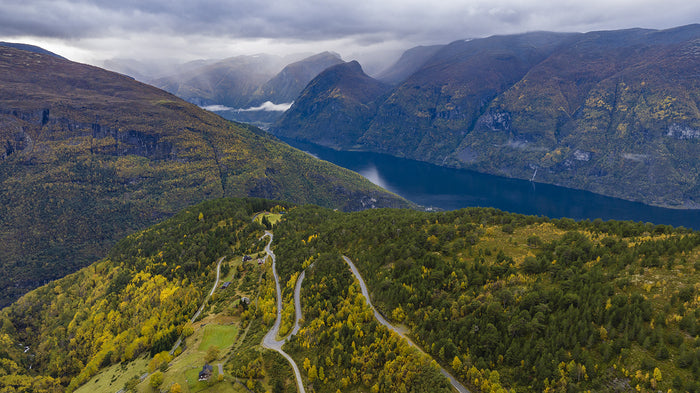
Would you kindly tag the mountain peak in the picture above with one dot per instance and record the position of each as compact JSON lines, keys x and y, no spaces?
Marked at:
{"x":342,"y":91}
{"x":288,"y":83}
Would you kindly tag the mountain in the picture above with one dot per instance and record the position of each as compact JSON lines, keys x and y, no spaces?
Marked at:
{"x":246,"y":88}
{"x":503,"y":302}
{"x":613,"y":112}
{"x":147,"y":71}
{"x":89,"y":156}
{"x":335,"y":107}
{"x":288,"y":83}
{"x":229,"y":82}
{"x":29,"y":48}
{"x":409,"y":62}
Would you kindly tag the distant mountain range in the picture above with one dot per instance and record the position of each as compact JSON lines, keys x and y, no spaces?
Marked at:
{"x":88,"y":156}
{"x":613,"y":112}
{"x":229,"y":82}
{"x":237,"y":87}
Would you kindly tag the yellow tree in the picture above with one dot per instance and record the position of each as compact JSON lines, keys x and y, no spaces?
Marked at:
{"x":457,"y":364}
{"x":313,"y":374}
{"x":156,"y":379}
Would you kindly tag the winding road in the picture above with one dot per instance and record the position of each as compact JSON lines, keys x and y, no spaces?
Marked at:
{"x":270,"y":340}
{"x":201,"y":308}
{"x":460,"y":388}
{"x":297,"y":305}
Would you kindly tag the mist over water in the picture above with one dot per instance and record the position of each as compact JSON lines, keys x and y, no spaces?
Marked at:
{"x":446,"y":188}
{"x":372,"y":174}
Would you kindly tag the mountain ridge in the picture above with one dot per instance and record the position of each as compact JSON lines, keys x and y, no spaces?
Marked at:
{"x":542,"y":102}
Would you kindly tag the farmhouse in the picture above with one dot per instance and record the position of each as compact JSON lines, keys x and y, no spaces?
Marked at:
{"x":206,"y":372}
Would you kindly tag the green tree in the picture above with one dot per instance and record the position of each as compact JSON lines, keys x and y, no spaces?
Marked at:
{"x":212,"y":354}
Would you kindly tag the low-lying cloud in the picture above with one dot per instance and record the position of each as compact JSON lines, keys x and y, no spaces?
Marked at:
{"x":218,"y":108}
{"x":267,"y":106}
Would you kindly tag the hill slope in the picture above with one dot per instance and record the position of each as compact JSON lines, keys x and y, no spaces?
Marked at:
{"x":29,"y":48}
{"x":614,"y":112}
{"x":89,"y":156}
{"x":503,"y":301}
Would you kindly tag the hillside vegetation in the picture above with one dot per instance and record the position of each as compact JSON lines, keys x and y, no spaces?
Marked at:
{"x":524,"y":303}
{"x":136,"y":301}
{"x":88,"y":156}
{"x":505,"y":302}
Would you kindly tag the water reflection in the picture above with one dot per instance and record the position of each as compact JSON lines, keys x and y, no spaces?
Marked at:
{"x":446,"y":188}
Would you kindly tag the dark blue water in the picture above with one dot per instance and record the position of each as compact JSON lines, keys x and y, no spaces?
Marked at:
{"x":446,"y":188}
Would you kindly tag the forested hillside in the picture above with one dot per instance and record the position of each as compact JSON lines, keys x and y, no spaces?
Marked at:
{"x":522,"y":302}
{"x":137,"y":300}
{"x":88,"y":156}
{"x":505,"y":302}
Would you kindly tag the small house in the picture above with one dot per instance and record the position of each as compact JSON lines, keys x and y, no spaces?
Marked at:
{"x":247,"y":258}
{"x":206,"y":372}
{"x":261,"y":261}
{"x":225,"y":284}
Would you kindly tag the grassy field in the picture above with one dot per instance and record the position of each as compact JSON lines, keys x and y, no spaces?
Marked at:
{"x":220,"y":336}
{"x":113,"y":378}
{"x":272,"y":217}
{"x":214,"y":330}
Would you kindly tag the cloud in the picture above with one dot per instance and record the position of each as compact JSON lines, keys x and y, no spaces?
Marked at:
{"x":221,"y":28}
{"x":267,"y":106}
{"x":218,"y":108}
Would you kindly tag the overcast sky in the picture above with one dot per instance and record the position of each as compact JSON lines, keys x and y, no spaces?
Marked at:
{"x":94,"y":30}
